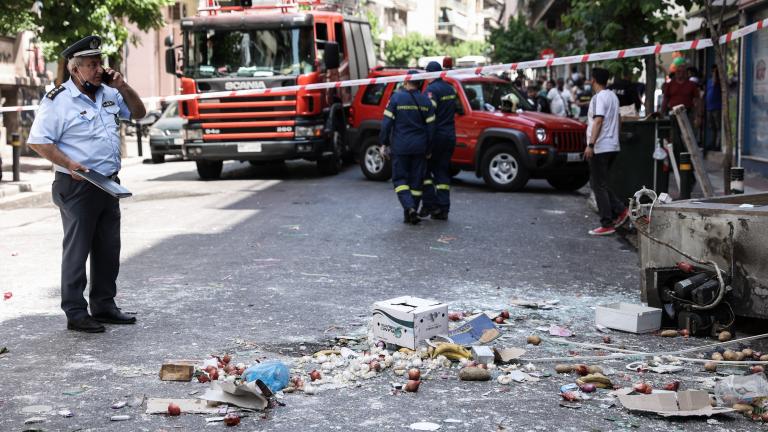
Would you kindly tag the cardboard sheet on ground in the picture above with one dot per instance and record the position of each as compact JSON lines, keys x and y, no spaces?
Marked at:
{"x":506,"y":355}
{"x":247,"y":395}
{"x":687,"y":403}
{"x":189,"y":406}
{"x":477,"y":331}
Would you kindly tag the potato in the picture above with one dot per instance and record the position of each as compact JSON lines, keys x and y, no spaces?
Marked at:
{"x":747,"y":352}
{"x":729,"y":355}
{"x":534,"y":340}
{"x":724,"y":336}
{"x":743,"y":408}
{"x":764,"y":357}
{"x":563,"y":368}
{"x":474,"y":374}
{"x":717,"y":356}
{"x":594,"y":369}
{"x":669,"y":333}
{"x":710,"y":367}
{"x":739,"y":356}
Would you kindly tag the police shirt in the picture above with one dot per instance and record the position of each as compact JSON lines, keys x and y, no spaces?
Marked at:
{"x":446,"y":103}
{"x":408,"y":124}
{"x":85,"y":131}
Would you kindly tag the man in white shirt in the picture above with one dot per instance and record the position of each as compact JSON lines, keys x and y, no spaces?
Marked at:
{"x":560,"y":100}
{"x":602,"y":148}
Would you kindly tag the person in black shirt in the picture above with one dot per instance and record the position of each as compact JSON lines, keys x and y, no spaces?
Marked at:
{"x":629,"y":97}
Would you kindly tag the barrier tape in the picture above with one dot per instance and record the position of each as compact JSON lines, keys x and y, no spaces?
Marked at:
{"x":697,"y":44}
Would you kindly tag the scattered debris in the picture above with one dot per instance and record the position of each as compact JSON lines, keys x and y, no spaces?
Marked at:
{"x":248,"y":395}
{"x":687,"y":403}
{"x":66,"y":413}
{"x":425,"y":426}
{"x":556,"y":330}
{"x":423,"y":319}
{"x":533,"y":340}
{"x":479,"y":330}
{"x":628,"y":317}
{"x":545,"y":305}
{"x":118,"y":405}
{"x":34,"y":420}
{"x":474,"y":374}
{"x":123,"y":417}
{"x":506,"y":355}
{"x":7,"y":295}
{"x":446,"y":239}
{"x":178,"y":370}
{"x":190,"y":406}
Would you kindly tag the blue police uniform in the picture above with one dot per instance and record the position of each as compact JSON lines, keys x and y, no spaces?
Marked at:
{"x":408,"y":125}
{"x":87,"y":132}
{"x":437,"y":183}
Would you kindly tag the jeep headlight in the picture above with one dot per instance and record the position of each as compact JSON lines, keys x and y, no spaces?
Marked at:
{"x":541,"y":134}
{"x":308,"y":131}
{"x":193,"y":134}
{"x":157,"y":132}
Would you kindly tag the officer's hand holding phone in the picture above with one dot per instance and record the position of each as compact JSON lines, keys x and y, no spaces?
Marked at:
{"x":112,"y":78}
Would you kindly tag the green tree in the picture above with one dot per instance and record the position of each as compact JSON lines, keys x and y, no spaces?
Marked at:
{"x":518,"y":42}
{"x":466,"y":48}
{"x":406,"y":50}
{"x":62,"y":22}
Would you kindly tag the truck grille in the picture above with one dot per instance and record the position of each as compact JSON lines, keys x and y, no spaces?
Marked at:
{"x":569,"y":141}
{"x":249,"y":118}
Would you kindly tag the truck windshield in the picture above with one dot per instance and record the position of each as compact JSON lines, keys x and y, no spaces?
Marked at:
{"x":249,"y":53}
{"x":494,"y":96}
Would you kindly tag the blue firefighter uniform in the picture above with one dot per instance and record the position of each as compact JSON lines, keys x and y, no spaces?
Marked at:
{"x":408,"y":126}
{"x":437,"y":182}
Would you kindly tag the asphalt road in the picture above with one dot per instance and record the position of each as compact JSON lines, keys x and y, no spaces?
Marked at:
{"x":269,"y":261}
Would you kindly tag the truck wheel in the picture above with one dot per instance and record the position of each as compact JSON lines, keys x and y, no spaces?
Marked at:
{"x":569,"y":183}
{"x":209,"y":170}
{"x":503,"y":169}
{"x":332,"y":164}
{"x":374,"y":166}
{"x":158,"y":158}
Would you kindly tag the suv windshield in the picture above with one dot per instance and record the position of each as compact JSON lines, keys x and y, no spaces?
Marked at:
{"x":249,"y":53}
{"x":495,"y":96}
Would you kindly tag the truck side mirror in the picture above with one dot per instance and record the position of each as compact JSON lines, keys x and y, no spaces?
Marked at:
{"x":170,"y":61}
{"x":332,"y":57}
{"x":169,"y":41}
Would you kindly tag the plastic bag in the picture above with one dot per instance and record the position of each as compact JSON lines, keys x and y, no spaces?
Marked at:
{"x":274,"y":375}
{"x":741,"y":389}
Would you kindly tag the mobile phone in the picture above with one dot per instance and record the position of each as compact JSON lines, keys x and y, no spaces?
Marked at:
{"x":106,"y":78}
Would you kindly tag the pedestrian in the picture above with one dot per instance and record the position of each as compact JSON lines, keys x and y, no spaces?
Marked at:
{"x":681,"y":91}
{"x":533,"y":97}
{"x":77,"y":128}
{"x":583,"y":97}
{"x":560,"y":100}
{"x":408,"y":128}
{"x":603,"y":124}
{"x":437,"y":183}
{"x":714,"y":106}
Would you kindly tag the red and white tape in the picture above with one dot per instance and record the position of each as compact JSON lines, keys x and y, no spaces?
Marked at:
{"x":532,"y":64}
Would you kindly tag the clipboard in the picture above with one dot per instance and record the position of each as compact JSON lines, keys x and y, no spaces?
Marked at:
{"x":104,"y":183}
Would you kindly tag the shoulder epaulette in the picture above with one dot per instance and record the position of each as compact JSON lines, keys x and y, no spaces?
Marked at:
{"x":55,"y":92}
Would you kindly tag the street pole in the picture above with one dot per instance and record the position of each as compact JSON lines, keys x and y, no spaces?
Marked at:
{"x":686,"y":176}
{"x":138,"y":137}
{"x":16,"y":143}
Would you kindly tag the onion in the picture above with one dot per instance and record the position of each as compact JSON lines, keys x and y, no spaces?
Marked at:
{"x":412,"y":386}
{"x":414,"y":374}
{"x":756,"y":369}
{"x":226,"y":359}
{"x":587,"y":387}
{"x":173,"y":409}
{"x":314,"y":375}
{"x":606,"y":339}
{"x":499,"y":320}
{"x":504,"y":314}
{"x":375,"y":366}
{"x":581,"y":369}
{"x":672,"y":386}
{"x":231,"y":419}
{"x":455,"y":316}
{"x":203,"y":378}
{"x":643,"y":388}
{"x":684,"y":333}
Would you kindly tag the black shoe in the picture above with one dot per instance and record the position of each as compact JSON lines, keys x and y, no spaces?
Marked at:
{"x":115,"y":317}
{"x":440,"y":215}
{"x":406,"y":216}
{"x":425,"y":212}
{"x":87,"y":325}
{"x":413,"y":217}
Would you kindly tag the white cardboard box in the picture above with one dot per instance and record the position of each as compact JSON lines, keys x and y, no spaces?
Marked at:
{"x":407,"y":321}
{"x":628,"y":317}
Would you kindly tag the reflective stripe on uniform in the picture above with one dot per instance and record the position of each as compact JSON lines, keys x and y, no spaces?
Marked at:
{"x":402,"y":188}
{"x":389,"y":114}
{"x":449,"y":97}
{"x":428,"y":182}
{"x":430,"y":119}
{"x":434,"y":104}
{"x":443,"y":187}
{"x":416,"y":193}
{"x":412,"y":108}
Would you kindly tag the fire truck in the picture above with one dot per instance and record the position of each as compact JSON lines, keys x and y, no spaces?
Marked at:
{"x":242,"y":44}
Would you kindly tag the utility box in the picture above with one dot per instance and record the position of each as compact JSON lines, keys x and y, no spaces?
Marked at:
{"x":407,"y":321}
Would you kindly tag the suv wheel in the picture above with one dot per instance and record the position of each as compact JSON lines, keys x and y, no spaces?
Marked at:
{"x":158,"y":158}
{"x":569,"y":183}
{"x":374,"y":166}
{"x":332,"y":164}
{"x":209,"y":170}
{"x":503,"y":169}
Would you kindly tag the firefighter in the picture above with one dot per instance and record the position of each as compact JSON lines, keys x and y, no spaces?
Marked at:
{"x":437,"y":182}
{"x":408,"y":127}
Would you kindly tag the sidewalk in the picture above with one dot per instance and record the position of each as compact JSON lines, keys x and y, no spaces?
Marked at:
{"x":36,"y":174}
{"x":753,"y":182}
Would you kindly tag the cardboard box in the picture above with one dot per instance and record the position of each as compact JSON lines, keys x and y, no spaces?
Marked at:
{"x":628,"y":317}
{"x":687,"y":403}
{"x":408,"y":321}
{"x":482,"y":354}
{"x":177,"y":370}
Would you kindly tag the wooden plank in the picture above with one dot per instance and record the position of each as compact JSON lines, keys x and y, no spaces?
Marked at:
{"x":693,"y":148}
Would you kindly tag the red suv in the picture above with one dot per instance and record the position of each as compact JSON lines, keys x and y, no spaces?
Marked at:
{"x":499,"y":136}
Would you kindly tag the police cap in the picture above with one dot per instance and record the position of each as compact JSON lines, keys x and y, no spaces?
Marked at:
{"x":434,"y":66}
{"x":85,"y":47}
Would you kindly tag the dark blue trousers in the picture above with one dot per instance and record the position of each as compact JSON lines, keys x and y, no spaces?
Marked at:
{"x":437,"y":182}
{"x":407,"y":177}
{"x":91,"y":220}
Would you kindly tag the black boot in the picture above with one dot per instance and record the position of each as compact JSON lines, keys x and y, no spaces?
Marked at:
{"x":425,"y":212}
{"x":440,"y":214}
{"x":413,"y":217}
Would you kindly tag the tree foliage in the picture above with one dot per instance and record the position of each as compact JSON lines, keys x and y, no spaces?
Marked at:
{"x":406,"y":50}
{"x":62,"y":22}
{"x":606,"y":25}
{"x":518,"y":42}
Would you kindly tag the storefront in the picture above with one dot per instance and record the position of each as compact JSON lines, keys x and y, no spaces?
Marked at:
{"x":754,"y":128}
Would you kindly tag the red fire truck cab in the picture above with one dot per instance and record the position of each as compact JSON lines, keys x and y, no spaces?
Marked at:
{"x":236,"y":46}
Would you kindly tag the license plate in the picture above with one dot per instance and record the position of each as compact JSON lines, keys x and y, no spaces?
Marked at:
{"x":178,"y":141}
{"x":249,"y":147}
{"x":575,"y":157}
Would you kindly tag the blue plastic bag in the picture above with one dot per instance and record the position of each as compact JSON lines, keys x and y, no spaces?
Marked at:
{"x":274,"y":375}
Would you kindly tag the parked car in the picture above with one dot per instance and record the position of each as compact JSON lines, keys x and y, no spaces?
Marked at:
{"x":165,"y":134}
{"x":499,"y":137}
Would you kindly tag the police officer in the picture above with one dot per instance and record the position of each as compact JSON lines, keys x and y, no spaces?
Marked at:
{"x":77,"y":128}
{"x":408,"y":126}
{"x":437,"y":183}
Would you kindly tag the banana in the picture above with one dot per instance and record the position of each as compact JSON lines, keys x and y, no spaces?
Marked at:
{"x":598,"y":379}
{"x":451,"y":351}
{"x":406,"y":351}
